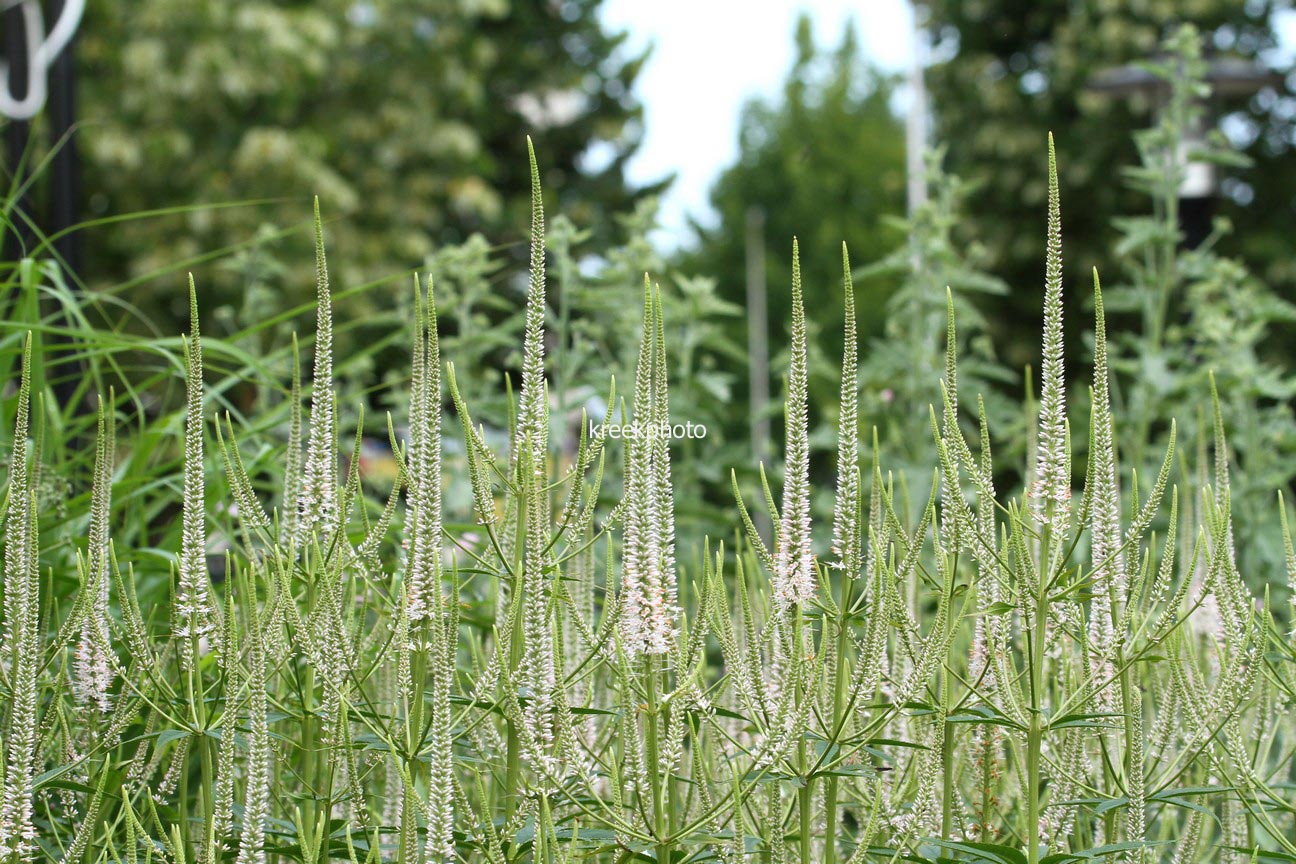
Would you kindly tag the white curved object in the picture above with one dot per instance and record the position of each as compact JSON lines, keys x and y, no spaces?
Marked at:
{"x":42,"y":51}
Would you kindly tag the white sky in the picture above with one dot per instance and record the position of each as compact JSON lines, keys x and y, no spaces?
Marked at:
{"x":712,"y":55}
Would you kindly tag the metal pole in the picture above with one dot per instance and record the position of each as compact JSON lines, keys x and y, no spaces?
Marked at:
{"x":758,"y":351}
{"x":17,"y":133}
{"x":65,"y":191}
{"x":56,"y":86}
{"x":916,"y":121}
{"x":65,"y":167}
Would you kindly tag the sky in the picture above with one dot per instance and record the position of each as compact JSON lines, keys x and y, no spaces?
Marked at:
{"x":707,"y":61}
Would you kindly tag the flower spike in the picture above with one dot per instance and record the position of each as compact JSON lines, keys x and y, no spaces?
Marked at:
{"x":318,"y":501}
{"x":533,"y":424}
{"x":846,"y":513}
{"x":648,"y":581}
{"x":18,"y":837}
{"x":193,"y":605}
{"x":1051,"y":490}
{"x":1103,"y":497}
{"x":424,"y":591}
{"x":794,"y":571}
{"x":94,"y":674}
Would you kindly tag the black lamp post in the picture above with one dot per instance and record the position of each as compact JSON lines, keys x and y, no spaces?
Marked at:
{"x":37,"y":72}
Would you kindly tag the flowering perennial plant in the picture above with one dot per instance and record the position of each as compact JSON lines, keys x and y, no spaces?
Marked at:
{"x":1004,"y":678}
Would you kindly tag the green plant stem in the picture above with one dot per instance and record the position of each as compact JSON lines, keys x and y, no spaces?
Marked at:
{"x":661,"y":829}
{"x":183,"y":811}
{"x":947,"y":704}
{"x":310,"y":728}
{"x":1157,"y":307}
{"x":208,"y":782}
{"x":1035,"y":728}
{"x":839,"y":706}
{"x":805,"y":795}
{"x":1033,"y":739}
{"x":513,"y":740}
{"x":947,"y":759}
{"x":806,"y":807}
{"x":198,"y":713}
{"x":414,"y":709}
{"x":1168,"y":265}
{"x":986,"y":754}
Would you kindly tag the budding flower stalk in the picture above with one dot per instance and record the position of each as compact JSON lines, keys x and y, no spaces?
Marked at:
{"x":256,"y":802}
{"x":648,"y":577}
{"x":533,"y":425}
{"x":193,"y":610}
{"x":538,"y":669}
{"x":318,"y":498}
{"x":424,"y":604}
{"x":18,"y":542}
{"x":424,"y":589}
{"x":794,"y":575}
{"x":1109,"y":574}
{"x":1051,"y":488}
{"x":846,"y":511}
{"x":21,"y":581}
{"x":94,"y":673}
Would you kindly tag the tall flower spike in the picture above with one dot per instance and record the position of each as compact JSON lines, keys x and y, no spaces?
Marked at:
{"x":530,"y":451}
{"x":293,"y":457}
{"x":1289,"y":558}
{"x":794,"y":576}
{"x":18,"y":546}
{"x":846,"y":512}
{"x":950,"y":412}
{"x":256,"y":802}
{"x":318,"y":502}
{"x":1051,"y":489}
{"x":440,"y":804}
{"x":648,"y":580}
{"x":538,"y":668}
{"x":661,"y":463}
{"x":1110,"y":577}
{"x":637,"y":566}
{"x":193,"y":609}
{"x":94,"y":673}
{"x":17,"y":828}
{"x":424,"y":591}
{"x":533,"y":423}
{"x":17,"y":805}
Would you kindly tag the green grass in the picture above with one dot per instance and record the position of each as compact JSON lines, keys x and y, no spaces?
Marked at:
{"x":1034,"y":677}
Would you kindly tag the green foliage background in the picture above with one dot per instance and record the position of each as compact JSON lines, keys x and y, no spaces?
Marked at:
{"x":1039,"y":676}
{"x":408,"y":119}
{"x":1005,"y":70}
{"x":824,"y":163}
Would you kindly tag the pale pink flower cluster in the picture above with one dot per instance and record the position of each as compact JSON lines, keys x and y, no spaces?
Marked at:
{"x":648,"y":591}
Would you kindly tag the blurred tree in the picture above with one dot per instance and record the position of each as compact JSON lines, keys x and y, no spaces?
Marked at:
{"x":407,"y":117}
{"x":1007,"y":71}
{"x":825,"y":163}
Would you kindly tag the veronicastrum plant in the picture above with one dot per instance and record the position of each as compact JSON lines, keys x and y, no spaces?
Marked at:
{"x":1044,"y":678}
